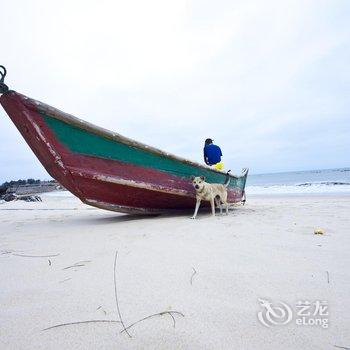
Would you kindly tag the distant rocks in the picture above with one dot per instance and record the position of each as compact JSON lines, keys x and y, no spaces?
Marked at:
{"x":29,"y":198}
{"x":9,"y":197}
{"x":27,"y":190}
{"x":30,"y":189}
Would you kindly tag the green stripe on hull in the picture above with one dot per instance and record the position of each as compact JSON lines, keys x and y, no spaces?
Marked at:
{"x":78,"y":140}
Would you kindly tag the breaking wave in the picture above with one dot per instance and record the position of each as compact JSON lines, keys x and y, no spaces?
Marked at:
{"x":326,"y":183}
{"x":304,"y":188}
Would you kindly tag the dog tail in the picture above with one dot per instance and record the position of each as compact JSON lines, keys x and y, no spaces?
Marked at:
{"x":228,"y":179}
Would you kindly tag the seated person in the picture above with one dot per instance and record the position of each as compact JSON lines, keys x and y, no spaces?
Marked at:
{"x":212,"y":155}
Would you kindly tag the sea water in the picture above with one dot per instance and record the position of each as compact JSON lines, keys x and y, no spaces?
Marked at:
{"x":328,"y":181}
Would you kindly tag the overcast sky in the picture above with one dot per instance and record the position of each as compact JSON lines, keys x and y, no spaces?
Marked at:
{"x":269,"y":81}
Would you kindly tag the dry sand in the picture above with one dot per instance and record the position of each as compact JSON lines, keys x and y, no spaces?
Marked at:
{"x":266,"y":249}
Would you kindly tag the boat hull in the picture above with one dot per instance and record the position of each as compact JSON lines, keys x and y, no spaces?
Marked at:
{"x":105,"y":169}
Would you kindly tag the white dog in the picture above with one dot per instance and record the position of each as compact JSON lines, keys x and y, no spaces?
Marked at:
{"x":210,"y":192}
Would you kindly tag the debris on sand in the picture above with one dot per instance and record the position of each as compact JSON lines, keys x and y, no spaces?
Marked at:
{"x":319,"y":231}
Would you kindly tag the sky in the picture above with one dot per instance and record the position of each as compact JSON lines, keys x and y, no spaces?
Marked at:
{"x":269,"y":80}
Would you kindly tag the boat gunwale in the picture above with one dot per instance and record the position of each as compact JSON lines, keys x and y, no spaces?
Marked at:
{"x":55,"y":113}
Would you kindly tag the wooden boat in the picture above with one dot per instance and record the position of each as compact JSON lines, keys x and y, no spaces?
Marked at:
{"x":105,"y":169}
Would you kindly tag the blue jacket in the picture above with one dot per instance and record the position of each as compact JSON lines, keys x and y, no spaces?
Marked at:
{"x":212,"y":154}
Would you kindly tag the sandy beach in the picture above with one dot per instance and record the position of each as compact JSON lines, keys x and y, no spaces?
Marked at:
{"x":57,"y":267}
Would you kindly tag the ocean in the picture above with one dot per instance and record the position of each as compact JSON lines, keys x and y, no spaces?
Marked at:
{"x":327,"y":181}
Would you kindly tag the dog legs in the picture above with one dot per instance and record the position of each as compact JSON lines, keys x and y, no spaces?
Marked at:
{"x":226,"y":208}
{"x":212,"y":206}
{"x":224,"y":202}
{"x":218,"y":204}
{"x":198,"y":203}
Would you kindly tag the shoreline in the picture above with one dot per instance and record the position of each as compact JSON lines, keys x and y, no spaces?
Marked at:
{"x":300,"y":195}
